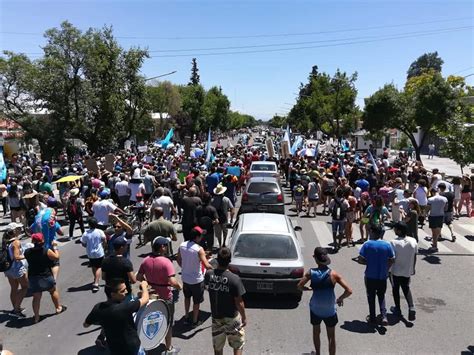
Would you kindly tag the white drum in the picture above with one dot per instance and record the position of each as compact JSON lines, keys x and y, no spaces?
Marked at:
{"x":152,"y":324}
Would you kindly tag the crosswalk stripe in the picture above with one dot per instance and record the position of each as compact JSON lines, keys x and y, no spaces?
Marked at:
{"x":460,"y":240}
{"x":323,"y":233}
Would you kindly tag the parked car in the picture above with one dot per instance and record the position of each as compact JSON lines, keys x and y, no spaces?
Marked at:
{"x":264,"y":169}
{"x":266,"y":254}
{"x":262,"y":194}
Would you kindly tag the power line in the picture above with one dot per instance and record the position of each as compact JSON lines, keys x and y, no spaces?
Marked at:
{"x":266,"y":35}
{"x":415,"y":33}
{"x":310,"y":47}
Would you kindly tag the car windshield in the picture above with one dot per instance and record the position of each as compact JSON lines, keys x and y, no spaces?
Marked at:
{"x":263,"y":167}
{"x":265,"y":246}
{"x":262,"y":187}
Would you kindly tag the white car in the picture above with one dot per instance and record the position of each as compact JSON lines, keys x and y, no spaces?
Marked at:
{"x":266,"y":254}
{"x":263,"y":169}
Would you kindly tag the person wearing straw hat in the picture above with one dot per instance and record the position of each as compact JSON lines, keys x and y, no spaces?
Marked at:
{"x":323,"y":301}
{"x":223,"y":205}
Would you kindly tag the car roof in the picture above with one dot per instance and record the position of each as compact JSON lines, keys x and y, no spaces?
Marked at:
{"x":264,"y":162}
{"x":262,"y":179}
{"x":264,"y":222}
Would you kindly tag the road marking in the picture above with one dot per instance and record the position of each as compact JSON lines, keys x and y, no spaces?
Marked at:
{"x":460,"y":240}
{"x":467,"y":227}
{"x":323,"y":233}
{"x":295,"y":223}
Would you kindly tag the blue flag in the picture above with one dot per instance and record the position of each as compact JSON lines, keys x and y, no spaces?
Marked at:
{"x":3,"y":167}
{"x":208,"y":147}
{"x":166,"y":141}
{"x":372,"y":161}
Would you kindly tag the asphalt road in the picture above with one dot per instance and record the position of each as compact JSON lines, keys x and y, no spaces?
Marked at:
{"x":442,"y":290}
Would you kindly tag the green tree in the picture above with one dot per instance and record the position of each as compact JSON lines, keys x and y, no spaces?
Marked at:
{"x":426,"y":62}
{"x":191,"y":118}
{"x":195,"y":79}
{"x":277,"y":121}
{"x":164,"y":97}
{"x":216,"y":110}
{"x":324,"y":102}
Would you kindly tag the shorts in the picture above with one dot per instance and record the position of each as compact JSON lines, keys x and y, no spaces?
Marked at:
{"x":230,"y":328}
{"x":39,"y":284}
{"x":96,"y":262}
{"x":313,"y":199}
{"x":435,"y":221}
{"x":17,"y":270}
{"x":329,"y":321}
{"x":338,"y":226}
{"x":448,"y":218}
{"x":195,"y":291}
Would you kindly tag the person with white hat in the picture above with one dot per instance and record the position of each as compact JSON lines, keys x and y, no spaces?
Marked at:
{"x":223,"y":206}
{"x":15,"y":271}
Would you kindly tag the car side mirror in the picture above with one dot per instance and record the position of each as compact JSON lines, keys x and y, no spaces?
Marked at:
{"x":297,"y":228}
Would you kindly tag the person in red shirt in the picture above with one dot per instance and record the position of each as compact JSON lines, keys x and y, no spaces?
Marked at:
{"x":159,"y":272}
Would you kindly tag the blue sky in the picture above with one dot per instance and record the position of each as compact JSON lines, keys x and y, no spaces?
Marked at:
{"x":264,"y":83}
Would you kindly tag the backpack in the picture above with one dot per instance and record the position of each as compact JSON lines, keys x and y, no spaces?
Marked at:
{"x":5,"y":259}
{"x":338,"y":211}
{"x":220,"y":209}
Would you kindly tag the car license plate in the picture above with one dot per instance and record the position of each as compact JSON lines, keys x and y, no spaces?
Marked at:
{"x":262,"y":208}
{"x":265,"y":286}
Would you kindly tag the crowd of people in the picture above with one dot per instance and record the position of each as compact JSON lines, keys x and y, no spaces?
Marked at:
{"x":162,"y":189}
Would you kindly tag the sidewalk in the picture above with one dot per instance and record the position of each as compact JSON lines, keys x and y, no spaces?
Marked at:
{"x":445,"y":165}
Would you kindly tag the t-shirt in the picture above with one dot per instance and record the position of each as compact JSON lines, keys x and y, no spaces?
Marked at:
{"x":117,"y":321}
{"x":437,"y":204}
{"x":224,"y":287}
{"x":158,"y":270}
{"x":222,"y":205}
{"x":159,"y":227}
{"x":164,"y":202}
{"x":211,"y":182}
{"x":377,"y":253}
{"x":405,"y":251}
{"x":93,"y":239}
{"x":450,"y":197}
{"x":313,"y":190}
{"x":135,"y":189}
{"x":122,"y":188}
{"x":189,"y":205}
{"x":363,"y":184}
{"x":101,"y":210}
{"x":117,"y":267}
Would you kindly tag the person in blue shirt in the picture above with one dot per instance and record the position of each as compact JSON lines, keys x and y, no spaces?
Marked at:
{"x":378,"y":256}
{"x":323,"y":301}
{"x":212,"y":180}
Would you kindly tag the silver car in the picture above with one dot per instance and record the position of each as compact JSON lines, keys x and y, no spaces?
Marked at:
{"x":266,"y":254}
{"x":263,"y":169}
{"x":262,"y":194}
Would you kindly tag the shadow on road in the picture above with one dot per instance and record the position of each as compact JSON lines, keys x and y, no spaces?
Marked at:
{"x":86,"y":287}
{"x":184,"y":331}
{"x":93,"y":350}
{"x":267,"y":301}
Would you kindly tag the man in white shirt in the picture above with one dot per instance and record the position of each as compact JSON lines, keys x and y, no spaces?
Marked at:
{"x":93,"y":240}
{"x":189,"y":258}
{"x":103,"y":207}
{"x":165,"y":202}
{"x":123,"y":191}
{"x":403,"y":268}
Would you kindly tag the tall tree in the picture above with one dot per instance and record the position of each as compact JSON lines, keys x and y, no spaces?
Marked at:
{"x":195,"y":79}
{"x":216,"y":110}
{"x":424,"y":63}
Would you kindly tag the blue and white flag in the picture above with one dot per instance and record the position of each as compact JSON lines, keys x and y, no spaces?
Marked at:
{"x":372,"y":161}
{"x":3,"y":167}
{"x":208,"y":147}
{"x":296,"y":145}
{"x":342,"y":171}
{"x":166,"y":141}
{"x":286,"y":136}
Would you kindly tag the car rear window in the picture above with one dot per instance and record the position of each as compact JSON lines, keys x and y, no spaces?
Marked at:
{"x":265,"y":246}
{"x":262,"y":187}
{"x":263,"y":167}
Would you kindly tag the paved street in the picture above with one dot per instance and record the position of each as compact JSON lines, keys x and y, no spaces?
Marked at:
{"x":442,"y":291}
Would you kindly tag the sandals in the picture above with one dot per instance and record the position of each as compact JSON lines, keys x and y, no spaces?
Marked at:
{"x":63,"y":309}
{"x":95,"y":288}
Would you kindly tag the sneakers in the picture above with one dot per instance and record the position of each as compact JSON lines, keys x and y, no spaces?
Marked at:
{"x":453,"y":238}
{"x":432,"y":249}
{"x":371,"y":321}
{"x":18,"y":313}
{"x":173,"y":350}
{"x":95,"y":288}
{"x":100,"y":343}
{"x":384,"y":321}
{"x":396,"y":311}
{"x":411,"y":315}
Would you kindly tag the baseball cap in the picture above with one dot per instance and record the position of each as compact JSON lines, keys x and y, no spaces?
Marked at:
{"x":120,"y":241}
{"x":13,"y":225}
{"x":37,"y":238}
{"x":161,"y":241}
{"x":198,"y":230}
{"x":321,"y":256}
